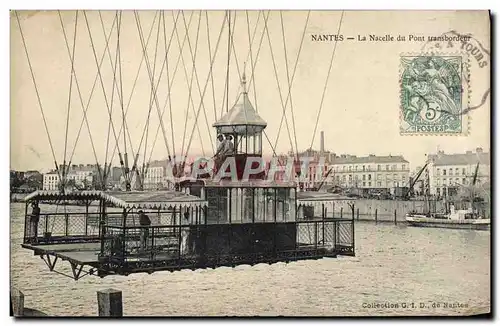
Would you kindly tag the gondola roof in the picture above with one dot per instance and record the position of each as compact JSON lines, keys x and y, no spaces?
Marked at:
{"x":124,"y":199}
{"x":250,"y":184}
{"x":317,"y":197}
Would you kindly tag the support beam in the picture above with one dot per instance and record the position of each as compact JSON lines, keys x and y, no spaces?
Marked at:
{"x":110,"y":303}
{"x":17,"y":301}
{"x":49,"y":262}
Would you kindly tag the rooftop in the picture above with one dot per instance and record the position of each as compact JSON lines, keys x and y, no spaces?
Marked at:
{"x":352,"y":159}
{"x":467,"y":158}
{"x":241,"y":114}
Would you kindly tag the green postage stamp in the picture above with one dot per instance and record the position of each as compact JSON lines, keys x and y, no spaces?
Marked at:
{"x":434,"y":94}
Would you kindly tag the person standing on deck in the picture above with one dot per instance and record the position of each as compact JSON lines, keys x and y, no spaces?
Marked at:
{"x":185,"y":234}
{"x":145,"y":222}
{"x":34,"y":219}
{"x":229,"y":146}
{"x":221,"y":148}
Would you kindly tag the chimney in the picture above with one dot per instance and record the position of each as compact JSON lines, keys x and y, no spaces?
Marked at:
{"x":479,"y":150}
{"x":322,"y":142}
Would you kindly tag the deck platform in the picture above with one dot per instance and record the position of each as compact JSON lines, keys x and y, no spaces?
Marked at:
{"x":180,"y":235}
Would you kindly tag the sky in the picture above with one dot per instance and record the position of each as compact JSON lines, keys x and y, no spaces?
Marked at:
{"x":360,"y":111}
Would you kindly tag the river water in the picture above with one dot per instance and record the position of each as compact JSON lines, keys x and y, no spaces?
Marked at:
{"x":398,"y":270}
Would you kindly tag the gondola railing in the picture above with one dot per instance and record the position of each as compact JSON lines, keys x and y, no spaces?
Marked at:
{"x":172,"y":247}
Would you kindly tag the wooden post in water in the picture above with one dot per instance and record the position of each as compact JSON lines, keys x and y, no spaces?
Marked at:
{"x":357,"y":213}
{"x":110,"y":303}
{"x":17,"y":301}
{"x":376,"y":213}
{"x":395,"y":218}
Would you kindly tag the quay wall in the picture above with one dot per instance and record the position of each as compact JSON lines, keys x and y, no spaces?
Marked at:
{"x":384,"y":208}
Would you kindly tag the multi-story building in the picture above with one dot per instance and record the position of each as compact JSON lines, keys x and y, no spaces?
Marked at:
{"x":370,"y":172}
{"x":82,"y":175}
{"x":50,"y":181}
{"x":155,"y":174}
{"x":316,"y":169}
{"x":448,"y":172}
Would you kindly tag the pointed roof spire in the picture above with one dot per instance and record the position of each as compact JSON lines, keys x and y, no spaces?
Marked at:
{"x":244,"y":79}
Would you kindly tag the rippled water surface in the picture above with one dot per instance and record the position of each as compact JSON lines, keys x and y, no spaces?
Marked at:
{"x":394,"y":265}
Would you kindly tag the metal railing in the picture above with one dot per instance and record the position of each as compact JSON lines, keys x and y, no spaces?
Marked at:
{"x":65,"y":227}
{"x":133,"y":248}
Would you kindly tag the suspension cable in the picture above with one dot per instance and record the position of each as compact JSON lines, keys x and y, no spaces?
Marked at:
{"x":257,"y":55}
{"x":205,"y":88}
{"x":170,"y":82}
{"x":37,"y":93}
{"x":188,"y":80}
{"x":209,"y":56}
{"x":270,"y":144}
{"x":150,"y":101}
{"x":289,"y":84}
{"x":141,"y":36}
{"x":225,"y":80}
{"x":231,"y":47}
{"x":119,"y":91}
{"x":84,"y":119}
{"x":250,"y":42}
{"x":228,"y":59}
{"x":167,"y":100}
{"x":84,"y":109}
{"x":193,"y":57}
{"x":293,"y":73}
{"x":153,"y":92}
{"x":132,"y":92}
{"x":277,"y":81}
{"x":120,"y":96}
{"x":72,"y":58}
{"x":100,"y":78}
{"x":326,"y":81}
{"x":112,"y":102}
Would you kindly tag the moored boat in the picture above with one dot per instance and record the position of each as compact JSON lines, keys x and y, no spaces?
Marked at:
{"x":456,"y":219}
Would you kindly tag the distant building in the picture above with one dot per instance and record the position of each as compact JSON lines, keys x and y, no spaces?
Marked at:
{"x":82,"y":175}
{"x":314,"y":175}
{"x":448,"y":172}
{"x":370,"y":172}
{"x":154,"y":177}
{"x":50,"y":181}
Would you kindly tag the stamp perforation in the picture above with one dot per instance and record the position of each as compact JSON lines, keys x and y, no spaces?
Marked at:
{"x":465,"y":94}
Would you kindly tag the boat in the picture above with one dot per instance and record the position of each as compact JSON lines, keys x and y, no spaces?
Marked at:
{"x":456,"y":219}
{"x":452,"y":218}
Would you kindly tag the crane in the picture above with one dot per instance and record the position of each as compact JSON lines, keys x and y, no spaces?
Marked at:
{"x":412,"y":183}
{"x":322,"y":180}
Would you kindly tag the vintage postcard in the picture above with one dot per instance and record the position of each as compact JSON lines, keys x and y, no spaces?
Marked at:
{"x":250,"y":163}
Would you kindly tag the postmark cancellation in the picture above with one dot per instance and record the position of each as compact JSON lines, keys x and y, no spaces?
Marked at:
{"x":434,"y":91}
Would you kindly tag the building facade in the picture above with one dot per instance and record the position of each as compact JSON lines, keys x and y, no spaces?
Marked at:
{"x":82,"y":176}
{"x":448,"y":172}
{"x":155,"y":175}
{"x":313,"y":176}
{"x":369,"y":172}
